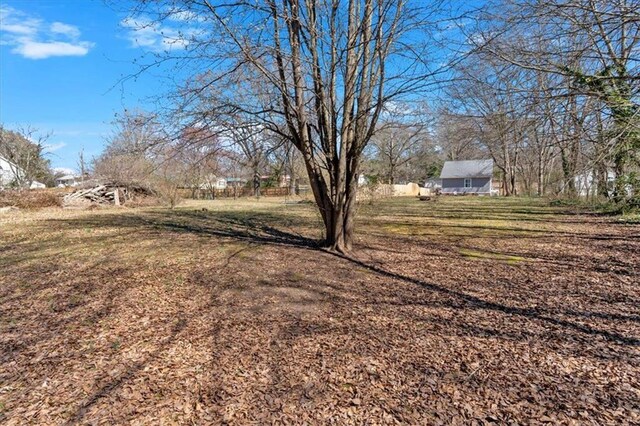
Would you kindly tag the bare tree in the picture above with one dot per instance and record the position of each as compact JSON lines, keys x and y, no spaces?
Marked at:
{"x":24,"y":151}
{"x":196,"y":152}
{"x":594,"y":49}
{"x":83,"y":167}
{"x":126,"y":158}
{"x":324,"y":71}
{"x":401,"y":131}
{"x":252,"y":141}
{"x":457,"y":136}
{"x":494,"y":94}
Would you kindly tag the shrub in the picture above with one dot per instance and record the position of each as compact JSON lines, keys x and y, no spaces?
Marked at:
{"x":30,"y":199}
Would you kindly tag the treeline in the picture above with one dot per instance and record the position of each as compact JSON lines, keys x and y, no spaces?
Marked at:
{"x":148,"y":149}
{"x":550,"y":91}
{"x":334,"y":89}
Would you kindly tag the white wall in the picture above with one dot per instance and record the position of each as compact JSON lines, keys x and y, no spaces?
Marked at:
{"x":6,"y":172}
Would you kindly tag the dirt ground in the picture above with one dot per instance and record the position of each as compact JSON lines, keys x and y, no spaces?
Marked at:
{"x":461,"y":311}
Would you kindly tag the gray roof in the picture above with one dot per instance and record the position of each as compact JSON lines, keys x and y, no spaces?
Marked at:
{"x":467,"y":169}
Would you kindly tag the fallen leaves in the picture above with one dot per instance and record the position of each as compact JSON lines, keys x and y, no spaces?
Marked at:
{"x":143,"y":321}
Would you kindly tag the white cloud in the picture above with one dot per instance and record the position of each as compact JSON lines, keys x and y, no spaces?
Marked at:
{"x":70,"y":31}
{"x":37,"y":50}
{"x":55,"y":146}
{"x":26,"y":28}
{"x":64,"y":171}
{"x":33,"y":38}
{"x":154,"y":37}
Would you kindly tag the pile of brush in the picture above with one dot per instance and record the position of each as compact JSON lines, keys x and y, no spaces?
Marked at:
{"x":110,"y":193}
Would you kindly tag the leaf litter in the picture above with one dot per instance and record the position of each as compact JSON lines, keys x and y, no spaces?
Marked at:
{"x":184,"y":317}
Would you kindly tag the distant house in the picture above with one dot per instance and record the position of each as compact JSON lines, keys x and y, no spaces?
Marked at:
{"x":433,"y":184}
{"x":467,"y":177}
{"x":220,"y":183}
{"x":586,"y":183}
{"x":213,"y":182}
{"x":68,"y":180}
{"x":10,"y":173}
{"x":236,"y":182}
{"x":285,"y":181}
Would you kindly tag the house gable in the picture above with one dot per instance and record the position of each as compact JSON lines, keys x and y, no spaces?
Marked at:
{"x":8,"y":171}
{"x":462,"y":177}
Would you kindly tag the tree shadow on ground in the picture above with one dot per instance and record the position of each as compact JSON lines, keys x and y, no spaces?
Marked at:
{"x":472,"y":302}
{"x":309,"y":300}
{"x":264,"y":229}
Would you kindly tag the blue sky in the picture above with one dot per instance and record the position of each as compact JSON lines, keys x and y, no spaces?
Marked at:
{"x":60,"y":64}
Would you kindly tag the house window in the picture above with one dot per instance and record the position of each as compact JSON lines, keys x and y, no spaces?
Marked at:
{"x":467,"y":183}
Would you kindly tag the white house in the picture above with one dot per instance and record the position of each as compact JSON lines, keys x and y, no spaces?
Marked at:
{"x":6,"y":172}
{"x":68,"y":180}
{"x":213,"y":182}
{"x":586,"y":183}
{"x":221,"y":183}
{"x":9,"y":172}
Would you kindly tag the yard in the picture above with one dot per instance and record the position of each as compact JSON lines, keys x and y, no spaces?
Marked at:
{"x":450,"y":312}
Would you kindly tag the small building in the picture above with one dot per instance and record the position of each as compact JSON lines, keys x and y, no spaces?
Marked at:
{"x":7,"y":172}
{"x":68,"y":180}
{"x":10,"y":174}
{"x":432,"y":186}
{"x":285,"y":181}
{"x":233,"y":182}
{"x":213,"y":182}
{"x":586,"y":183}
{"x":467,"y":177}
{"x":220,"y":183}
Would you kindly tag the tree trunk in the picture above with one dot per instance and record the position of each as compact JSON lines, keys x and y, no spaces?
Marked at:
{"x":601,"y":170}
{"x":568,"y":175}
{"x":337,"y":205}
{"x":256,"y":184}
{"x":512,"y":182}
{"x":619,"y":189}
{"x":541,"y":175}
{"x":339,"y":224}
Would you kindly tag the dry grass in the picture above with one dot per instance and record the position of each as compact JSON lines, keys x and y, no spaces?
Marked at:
{"x":30,"y":199}
{"x":464,"y":310}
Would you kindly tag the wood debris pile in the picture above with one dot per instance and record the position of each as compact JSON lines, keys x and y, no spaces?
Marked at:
{"x":105,"y":194}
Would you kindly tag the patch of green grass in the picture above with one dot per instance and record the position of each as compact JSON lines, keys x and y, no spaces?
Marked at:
{"x":473,"y":254}
{"x":631,"y":218}
{"x":566,"y":202}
